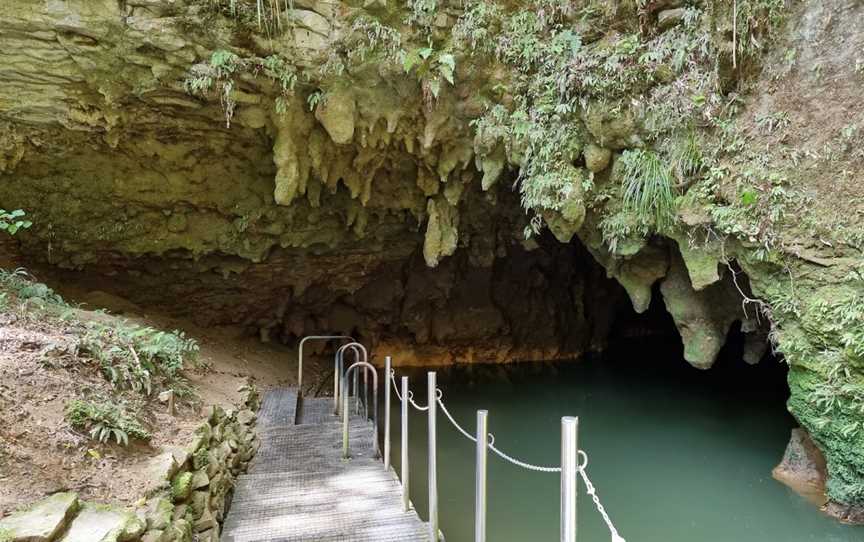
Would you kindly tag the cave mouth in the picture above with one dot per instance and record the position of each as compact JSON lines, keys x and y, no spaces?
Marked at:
{"x":665,"y":440}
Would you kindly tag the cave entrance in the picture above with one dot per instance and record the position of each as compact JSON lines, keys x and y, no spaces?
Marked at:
{"x":670,"y":445}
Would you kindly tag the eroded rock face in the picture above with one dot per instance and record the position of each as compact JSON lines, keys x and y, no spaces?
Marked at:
{"x":302,"y":218}
{"x":803,"y":466}
{"x":703,"y":318}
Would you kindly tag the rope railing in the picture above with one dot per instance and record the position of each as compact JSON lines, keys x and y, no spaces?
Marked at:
{"x":491,"y":444}
{"x":574,"y":461}
{"x":395,"y":387}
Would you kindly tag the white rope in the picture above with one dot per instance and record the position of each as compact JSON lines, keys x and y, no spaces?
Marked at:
{"x":581,"y":468}
{"x":492,"y":447}
{"x":592,"y":491}
{"x":518,"y":463}
{"x":415,"y":405}
{"x":393,"y":380}
{"x":449,"y":417}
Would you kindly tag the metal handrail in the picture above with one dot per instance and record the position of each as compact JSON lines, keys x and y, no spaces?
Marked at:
{"x":484,"y":442}
{"x":300,"y":354}
{"x":367,"y":367}
{"x":570,"y":470}
{"x":339,"y":367}
{"x":344,"y":388}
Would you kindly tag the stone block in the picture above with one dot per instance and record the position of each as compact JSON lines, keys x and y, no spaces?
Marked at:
{"x":102,"y":523}
{"x":43,"y":521}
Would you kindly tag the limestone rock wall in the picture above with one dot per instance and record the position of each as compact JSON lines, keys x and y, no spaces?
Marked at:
{"x":319,"y":184}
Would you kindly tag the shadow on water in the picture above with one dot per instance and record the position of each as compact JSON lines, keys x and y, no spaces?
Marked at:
{"x":677,"y":454}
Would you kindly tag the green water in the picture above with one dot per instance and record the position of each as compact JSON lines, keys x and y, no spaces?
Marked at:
{"x":676,"y":454}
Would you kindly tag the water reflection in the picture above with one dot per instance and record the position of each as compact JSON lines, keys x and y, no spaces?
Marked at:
{"x":677,"y":454}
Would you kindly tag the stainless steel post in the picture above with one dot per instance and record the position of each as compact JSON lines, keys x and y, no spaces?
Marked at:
{"x":480,"y":477}
{"x":366,"y":397}
{"x":336,"y":381}
{"x":345,"y":416}
{"x":387,"y":363}
{"x":433,"y":460}
{"x":356,"y":393}
{"x":569,"y":467}
{"x":376,"y":421}
{"x":300,"y":354}
{"x":406,"y":497}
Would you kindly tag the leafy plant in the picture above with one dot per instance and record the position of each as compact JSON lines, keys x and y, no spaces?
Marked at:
{"x":264,"y":15}
{"x":223,"y":69}
{"x":132,"y":356}
{"x":315,"y":99}
{"x":647,"y":189}
{"x":219,"y":72}
{"x":12,"y":221}
{"x":422,"y":13}
{"x":430,"y":67}
{"x":105,"y":421}
{"x":769,"y":123}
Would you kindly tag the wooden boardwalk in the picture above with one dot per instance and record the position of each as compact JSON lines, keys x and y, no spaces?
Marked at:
{"x":298,"y":488}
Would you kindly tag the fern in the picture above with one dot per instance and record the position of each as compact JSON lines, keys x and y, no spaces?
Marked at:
{"x":104,"y":421}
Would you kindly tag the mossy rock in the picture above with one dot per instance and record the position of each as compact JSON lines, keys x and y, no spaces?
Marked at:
{"x":42,"y":521}
{"x":181,"y":486}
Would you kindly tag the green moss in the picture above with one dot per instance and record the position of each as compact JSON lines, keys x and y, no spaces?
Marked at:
{"x":181,"y":486}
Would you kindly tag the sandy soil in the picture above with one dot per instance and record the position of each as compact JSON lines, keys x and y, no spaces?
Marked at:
{"x":40,"y":373}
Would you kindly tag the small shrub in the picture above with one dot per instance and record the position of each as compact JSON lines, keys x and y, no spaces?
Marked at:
{"x":105,"y":421}
{"x":131,"y":356}
{"x":647,"y":189}
{"x":12,"y":221}
{"x":20,"y":286}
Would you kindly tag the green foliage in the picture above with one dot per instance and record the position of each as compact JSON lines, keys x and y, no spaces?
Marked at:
{"x":132,"y":356}
{"x":27,"y":292}
{"x":769,"y":123}
{"x":688,"y":158}
{"x":12,"y":221}
{"x":220,"y":74}
{"x":430,"y":67}
{"x":369,"y":36}
{"x":755,"y":24}
{"x":266,"y":16}
{"x":422,"y":13}
{"x":647,"y":189}
{"x":315,"y":99}
{"x":105,"y":421}
{"x":556,"y":77}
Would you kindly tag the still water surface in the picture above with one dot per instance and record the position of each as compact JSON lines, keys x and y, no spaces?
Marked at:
{"x":676,"y":454}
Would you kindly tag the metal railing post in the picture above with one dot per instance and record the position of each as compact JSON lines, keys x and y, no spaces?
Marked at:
{"x":433,"y":460}
{"x":368,"y":368}
{"x":480,"y":477}
{"x":387,"y":363}
{"x":345,"y":415}
{"x":360,"y":354}
{"x":406,"y":497}
{"x":366,"y":397}
{"x":376,"y":421}
{"x":356,"y":390}
{"x":569,"y":468}
{"x":336,"y":381}
{"x":300,"y":354}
